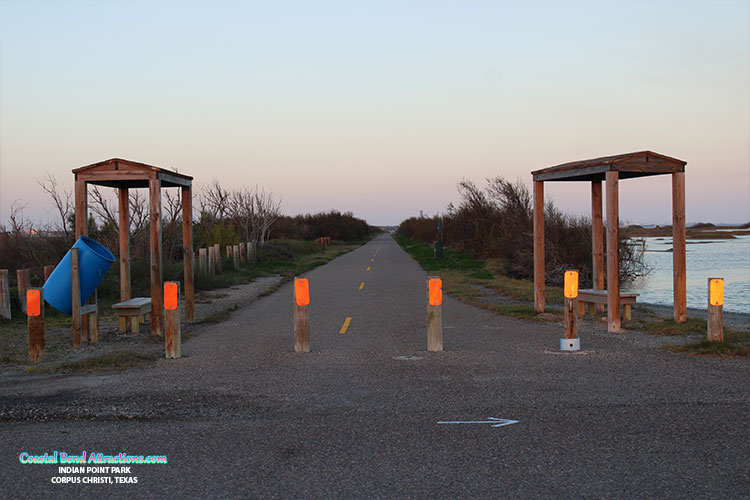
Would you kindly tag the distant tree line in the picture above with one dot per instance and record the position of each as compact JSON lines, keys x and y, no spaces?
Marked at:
{"x":497,"y":222}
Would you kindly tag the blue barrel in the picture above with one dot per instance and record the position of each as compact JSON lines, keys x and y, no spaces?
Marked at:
{"x":93,"y":262}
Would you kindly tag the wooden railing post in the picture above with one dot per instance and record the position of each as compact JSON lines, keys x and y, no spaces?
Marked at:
{"x":4,"y":294}
{"x":35,"y":323}
{"x":75,"y":296}
{"x":716,"y":309}
{"x":23,"y":277}
{"x":301,"y":301}
{"x":434,"y":314}
{"x":172,"y":327}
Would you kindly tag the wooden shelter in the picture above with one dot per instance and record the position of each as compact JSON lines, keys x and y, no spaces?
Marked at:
{"x":125,"y":175}
{"x":611,"y":169}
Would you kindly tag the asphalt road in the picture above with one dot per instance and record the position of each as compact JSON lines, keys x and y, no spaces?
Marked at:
{"x":243,"y":416}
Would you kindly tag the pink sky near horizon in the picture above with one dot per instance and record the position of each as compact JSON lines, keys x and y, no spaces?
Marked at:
{"x":379,"y":108}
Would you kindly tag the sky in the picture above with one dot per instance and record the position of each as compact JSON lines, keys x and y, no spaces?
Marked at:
{"x":379,"y":107}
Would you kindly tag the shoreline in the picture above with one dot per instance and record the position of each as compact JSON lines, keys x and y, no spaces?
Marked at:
{"x":732,"y":320}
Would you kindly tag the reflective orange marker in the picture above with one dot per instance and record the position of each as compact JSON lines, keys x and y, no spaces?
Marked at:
{"x":571,"y":284}
{"x":302,"y":291}
{"x":436,"y":291}
{"x":33,"y":303}
{"x":170,"y":296}
{"x":716,"y":292}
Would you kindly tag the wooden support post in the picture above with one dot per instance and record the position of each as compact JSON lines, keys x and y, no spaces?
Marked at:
{"x":4,"y":294}
{"x":581,"y":309}
{"x":678,"y":247}
{"x":217,"y":255}
{"x":236,"y":257}
{"x":172,"y":327}
{"x":47,"y":271}
{"x":597,"y":239}
{"x":434,"y":314}
{"x":715,"y":310}
{"x":35,"y":324}
{"x":81,"y":207}
{"x":154,"y":196}
{"x":23,"y":278}
{"x":124,"y":230}
{"x":301,"y":301}
{"x":539,"y":297}
{"x":75,"y":296}
{"x":202,"y":261}
{"x":211,"y":261}
{"x":187,"y":252}
{"x":92,"y":321}
{"x":571,"y":330}
{"x":253,"y":251}
{"x":242,"y":253}
{"x":613,"y":252}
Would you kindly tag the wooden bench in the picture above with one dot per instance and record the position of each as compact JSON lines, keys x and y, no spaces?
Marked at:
{"x":590,"y":296}
{"x":136,"y":309}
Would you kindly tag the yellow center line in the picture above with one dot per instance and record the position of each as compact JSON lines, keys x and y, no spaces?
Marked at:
{"x":361,"y":285}
{"x":345,"y":326}
{"x":368,"y":268}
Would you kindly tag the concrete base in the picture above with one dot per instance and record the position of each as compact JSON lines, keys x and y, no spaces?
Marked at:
{"x":570,"y":344}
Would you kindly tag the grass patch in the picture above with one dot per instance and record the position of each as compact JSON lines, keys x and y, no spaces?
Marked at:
{"x":460,"y":270}
{"x":707,"y":348}
{"x":670,"y":327}
{"x":115,"y":360}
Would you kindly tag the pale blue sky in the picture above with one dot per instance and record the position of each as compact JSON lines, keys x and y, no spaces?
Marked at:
{"x":379,"y":107}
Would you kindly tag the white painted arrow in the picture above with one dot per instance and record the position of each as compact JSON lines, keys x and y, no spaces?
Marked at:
{"x":498,"y":422}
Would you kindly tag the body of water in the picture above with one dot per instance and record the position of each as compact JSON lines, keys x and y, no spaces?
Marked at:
{"x":728,"y":259}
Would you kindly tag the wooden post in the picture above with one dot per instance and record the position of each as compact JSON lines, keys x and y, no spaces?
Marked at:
{"x":539,"y":297}
{"x":81,"y":204}
{"x":4,"y":294}
{"x":23,"y":278}
{"x":242,"y":253}
{"x":236,"y":257}
{"x":35,"y":324}
{"x":678,"y":247}
{"x":434,"y":314}
{"x":253,"y":251}
{"x":571,"y":331}
{"x":715,"y":311}
{"x":613,"y":252}
{"x":217,"y":255}
{"x":154,"y":197}
{"x":202,"y":261}
{"x":75,"y":296}
{"x":301,"y":301}
{"x":187,"y":253}
{"x":47,"y":271}
{"x":124,"y":230}
{"x":597,"y":239}
{"x":172,"y":327}
{"x":92,"y":321}
{"x":211,"y":261}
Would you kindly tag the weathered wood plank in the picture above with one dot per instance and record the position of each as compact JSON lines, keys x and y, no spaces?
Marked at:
{"x":539,"y":293}
{"x":5,"y":294}
{"x":613,"y":253}
{"x":23,"y":281}
{"x":678,"y":247}
{"x":154,"y":192}
{"x":188,"y":255}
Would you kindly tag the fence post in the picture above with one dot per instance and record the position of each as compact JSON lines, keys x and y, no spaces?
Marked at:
{"x":172,"y":326}
{"x":4,"y":294}
{"x":301,"y":301}
{"x":47,"y":271}
{"x":236,"y":256}
{"x":434,"y":314}
{"x":35,"y":324}
{"x":23,"y":278}
{"x":716,"y":309}
{"x":217,"y":255}
{"x":571,"y":342}
{"x":202,"y":261}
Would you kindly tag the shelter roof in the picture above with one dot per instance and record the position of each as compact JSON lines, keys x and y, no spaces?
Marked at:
{"x":117,"y":172}
{"x":640,"y":164}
